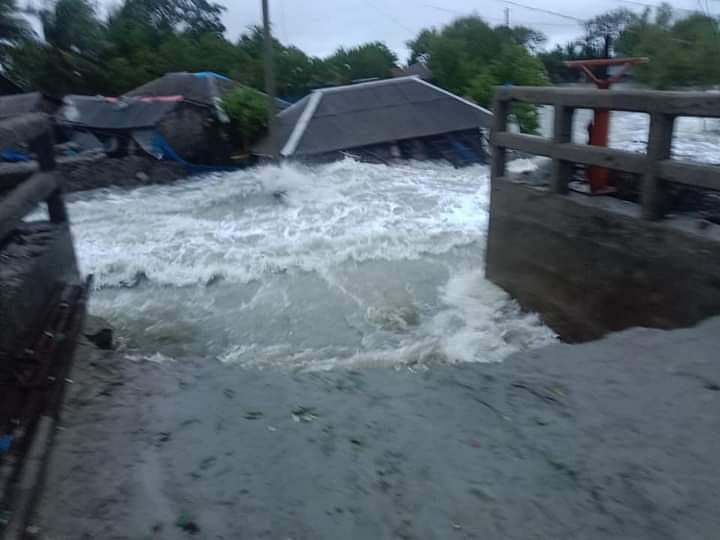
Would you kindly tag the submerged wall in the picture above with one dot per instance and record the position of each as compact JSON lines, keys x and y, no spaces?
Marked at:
{"x":590,"y":265}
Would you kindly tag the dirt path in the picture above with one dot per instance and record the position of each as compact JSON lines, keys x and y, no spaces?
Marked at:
{"x":616,"y":439}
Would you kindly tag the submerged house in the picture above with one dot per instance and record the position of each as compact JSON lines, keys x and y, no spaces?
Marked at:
{"x":404,"y":117}
{"x":164,"y":127}
{"x":178,"y":117}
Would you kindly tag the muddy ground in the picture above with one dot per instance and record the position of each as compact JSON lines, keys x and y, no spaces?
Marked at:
{"x":615,"y":439}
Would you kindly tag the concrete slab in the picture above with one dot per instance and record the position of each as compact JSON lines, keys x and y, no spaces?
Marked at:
{"x":615,"y":439}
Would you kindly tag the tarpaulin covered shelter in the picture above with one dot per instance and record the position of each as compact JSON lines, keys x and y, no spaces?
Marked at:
{"x":400,"y":117}
{"x":121,"y":123}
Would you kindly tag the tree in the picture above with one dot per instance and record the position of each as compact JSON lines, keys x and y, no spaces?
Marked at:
{"x":367,"y":61}
{"x":72,"y":25}
{"x":68,"y":61}
{"x":523,"y":36}
{"x":602,"y":31}
{"x":512,"y":66}
{"x":164,"y":16}
{"x":13,"y":30}
{"x":554,"y":62}
{"x":13,"y":27}
{"x":682,"y":52}
{"x":470,"y":57}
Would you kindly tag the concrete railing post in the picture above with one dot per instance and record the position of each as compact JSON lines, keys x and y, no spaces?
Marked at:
{"x":562,"y":133}
{"x":500,"y":122}
{"x":653,"y":196}
{"x":44,"y":148}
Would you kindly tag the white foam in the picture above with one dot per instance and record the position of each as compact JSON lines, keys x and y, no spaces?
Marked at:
{"x":351,"y":264}
{"x":233,"y":226}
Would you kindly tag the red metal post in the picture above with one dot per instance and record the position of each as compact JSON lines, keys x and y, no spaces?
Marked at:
{"x":599,"y":129}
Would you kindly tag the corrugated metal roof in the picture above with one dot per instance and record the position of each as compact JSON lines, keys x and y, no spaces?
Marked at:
{"x":372,"y":113}
{"x":114,"y":114}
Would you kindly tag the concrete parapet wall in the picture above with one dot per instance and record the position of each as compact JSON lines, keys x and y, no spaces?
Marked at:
{"x":32,"y":264}
{"x":590,"y":266}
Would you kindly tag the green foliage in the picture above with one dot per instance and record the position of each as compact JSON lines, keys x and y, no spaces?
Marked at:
{"x":602,"y":31}
{"x":554,"y":62}
{"x":13,"y":26}
{"x":371,"y":60}
{"x":469,"y":57}
{"x":512,"y":66}
{"x":683,"y":51}
{"x":248,"y":113}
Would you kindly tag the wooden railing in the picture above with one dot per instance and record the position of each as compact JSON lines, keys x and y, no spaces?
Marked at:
{"x":20,"y":194}
{"x":655,"y":166}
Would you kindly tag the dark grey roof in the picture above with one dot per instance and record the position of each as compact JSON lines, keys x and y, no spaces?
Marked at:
{"x":199,"y":88}
{"x":119,"y":114}
{"x":25,"y":103}
{"x":203,"y":88}
{"x":347,"y":117}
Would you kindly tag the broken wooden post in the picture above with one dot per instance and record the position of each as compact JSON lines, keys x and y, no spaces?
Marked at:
{"x":44,"y":147}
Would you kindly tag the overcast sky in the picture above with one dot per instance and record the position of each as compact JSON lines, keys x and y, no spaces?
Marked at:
{"x":321,"y":26}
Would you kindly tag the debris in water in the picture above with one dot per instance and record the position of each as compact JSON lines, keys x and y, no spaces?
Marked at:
{"x":304,"y":414}
{"x":253,"y":415}
{"x":186,"y":523}
{"x":99,"y":332}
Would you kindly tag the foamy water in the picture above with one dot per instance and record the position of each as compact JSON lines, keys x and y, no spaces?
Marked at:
{"x":343,"y":264}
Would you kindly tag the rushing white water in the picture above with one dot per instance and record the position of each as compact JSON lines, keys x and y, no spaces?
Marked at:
{"x":339,"y":264}
{"x":695,"y":139}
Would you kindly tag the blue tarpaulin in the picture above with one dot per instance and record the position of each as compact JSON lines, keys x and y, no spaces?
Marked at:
{"x":210,"y":75}
{"x":13,"y":156}
{"x":163,"y":148}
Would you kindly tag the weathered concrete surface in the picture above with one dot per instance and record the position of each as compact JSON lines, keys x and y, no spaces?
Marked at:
{"x":32,"y":262}
{"x":590,"y":266}
{"x":610,"y":440}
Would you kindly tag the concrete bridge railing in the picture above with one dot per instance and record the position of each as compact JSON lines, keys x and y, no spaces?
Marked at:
{"x":655,"y":166}
{"x":20,"y":195}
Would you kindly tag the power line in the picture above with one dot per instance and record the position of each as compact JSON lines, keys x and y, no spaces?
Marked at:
{"x":453,"y":11}
{"x":541,"y":10}
{"x":502,"y":19}
{"x":646,"y":4}
{"x":392,"y":18}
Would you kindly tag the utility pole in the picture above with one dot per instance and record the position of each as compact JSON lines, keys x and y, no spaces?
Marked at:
{"x":270,"y":80}
{"x":507,"y":17}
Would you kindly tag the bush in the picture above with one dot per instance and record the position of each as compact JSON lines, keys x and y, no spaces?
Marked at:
{"x":248,"y":113}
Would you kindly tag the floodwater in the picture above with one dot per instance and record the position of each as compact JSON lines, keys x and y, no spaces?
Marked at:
{"x":343,"y":264}
{"x":339,"y":264}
